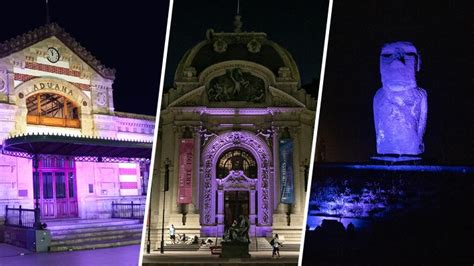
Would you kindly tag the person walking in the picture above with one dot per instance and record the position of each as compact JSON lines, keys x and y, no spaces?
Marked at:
{"x":276,"y":244}
{"x":172,"y":234}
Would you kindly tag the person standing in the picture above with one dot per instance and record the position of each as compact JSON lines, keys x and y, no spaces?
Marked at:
{"x":172,"y":234}
{"x":276,"y":244}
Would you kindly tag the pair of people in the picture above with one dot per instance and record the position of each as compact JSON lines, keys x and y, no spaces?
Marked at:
{"x":276,"y":244}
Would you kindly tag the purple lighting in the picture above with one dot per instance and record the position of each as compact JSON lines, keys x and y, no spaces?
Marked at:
{"x":400,"y":106}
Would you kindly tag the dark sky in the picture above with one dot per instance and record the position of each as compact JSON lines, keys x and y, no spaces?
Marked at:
{"x":294,"y":25}
{"x":125,"y":35}
{"x":442,"y":33}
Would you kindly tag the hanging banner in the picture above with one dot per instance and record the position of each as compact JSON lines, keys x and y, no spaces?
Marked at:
{"x":286,"y":171}
{"x":185,"y":185}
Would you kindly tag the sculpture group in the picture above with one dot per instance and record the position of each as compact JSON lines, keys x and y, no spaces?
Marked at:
{"x":235,"y":243}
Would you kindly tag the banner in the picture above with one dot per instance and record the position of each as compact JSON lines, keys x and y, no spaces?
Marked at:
{"x":286,"y":171}
{"x":185,"y":175}
{"x":128,"y":177}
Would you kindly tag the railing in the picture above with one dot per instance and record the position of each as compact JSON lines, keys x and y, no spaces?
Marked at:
{"x":19,"y":217}
{"x":128,"y":210}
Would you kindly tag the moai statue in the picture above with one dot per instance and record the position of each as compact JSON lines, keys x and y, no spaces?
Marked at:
{"x":400,"y":106}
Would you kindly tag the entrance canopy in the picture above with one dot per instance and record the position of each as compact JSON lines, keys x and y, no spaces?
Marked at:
{"x":69,"y":145}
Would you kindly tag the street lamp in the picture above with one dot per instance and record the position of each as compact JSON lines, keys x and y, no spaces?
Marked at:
{"x":148,"y":243}
{"x":37,"y":224}
{"x":165,"y":188}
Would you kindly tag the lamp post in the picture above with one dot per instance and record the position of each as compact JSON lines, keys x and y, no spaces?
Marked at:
{"x":165,"y":188}
{"x":37,"y":224}
{"x":148,"y":243}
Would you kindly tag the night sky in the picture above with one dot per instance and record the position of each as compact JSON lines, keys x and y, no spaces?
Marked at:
{"x":125,"y":35}
{"x":442,"y":32}
{"x":294,"y":25}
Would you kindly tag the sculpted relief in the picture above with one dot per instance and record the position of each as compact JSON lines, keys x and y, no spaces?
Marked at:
{"x":400,"y":106}
{"x":236,"y":85}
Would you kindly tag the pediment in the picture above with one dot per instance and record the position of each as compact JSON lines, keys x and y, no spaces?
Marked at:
{"x":274,"y":98}
{"x":34,"y":44}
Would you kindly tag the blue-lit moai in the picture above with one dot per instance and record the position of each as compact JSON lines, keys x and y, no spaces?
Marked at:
{"x":400,"y":106}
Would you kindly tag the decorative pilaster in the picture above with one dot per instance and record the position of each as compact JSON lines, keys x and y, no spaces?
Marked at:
{"x":220,"y":212}
{"x":298,"y":174}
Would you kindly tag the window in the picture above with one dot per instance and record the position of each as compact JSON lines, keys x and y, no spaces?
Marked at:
{"x":52,"y":110}
{"x":237,"y":160}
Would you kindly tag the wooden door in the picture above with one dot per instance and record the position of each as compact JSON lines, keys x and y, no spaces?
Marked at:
{"x":58,"y":192}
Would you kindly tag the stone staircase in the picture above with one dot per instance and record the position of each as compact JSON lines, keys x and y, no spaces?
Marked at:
{"x":80,"y":234}
{"x":290,"y":237}
{"x":262,"y":244}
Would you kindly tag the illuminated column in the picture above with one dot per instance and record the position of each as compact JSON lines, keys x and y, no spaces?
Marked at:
{"x":220,"y":212}
{"x":253,"y":206}
{"x":278,"y":207}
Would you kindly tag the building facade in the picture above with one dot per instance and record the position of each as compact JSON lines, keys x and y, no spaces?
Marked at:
{"x":52,"y":87}
{"x":235,"y":137}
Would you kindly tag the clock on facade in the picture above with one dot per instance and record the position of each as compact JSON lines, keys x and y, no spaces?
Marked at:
{"x":53,"y":55}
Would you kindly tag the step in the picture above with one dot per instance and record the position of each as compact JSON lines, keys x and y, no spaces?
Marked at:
{"x":60,"y":232}
{"x":88,"y":233}
{"x":89,"y":223}
{"x":182,"y":247}
{"x":80,"y":234}
{"x":290,"y":247}
{"x":74,"y":240}
{"x":263,"y":244}
{"x":95,"y":245}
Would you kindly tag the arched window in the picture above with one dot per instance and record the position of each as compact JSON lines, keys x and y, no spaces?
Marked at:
{"x":52,"y":110}
{"x":237,"y":160}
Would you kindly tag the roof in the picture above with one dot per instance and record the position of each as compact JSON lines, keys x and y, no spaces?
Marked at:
{"x":247,"y":46}
{"x":25,"y":40}
{"x":71,"y":145}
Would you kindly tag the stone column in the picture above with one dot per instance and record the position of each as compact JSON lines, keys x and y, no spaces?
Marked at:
{"x":220,"y":212}
{"x":194,"y":208}
{"x":298,"y":177}
{"x":253,"y":206}
{"x":278,"y":207}
{"x":174,"y":170}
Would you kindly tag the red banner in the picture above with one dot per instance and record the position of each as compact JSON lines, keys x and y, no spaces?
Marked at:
{"x":186,"y":158}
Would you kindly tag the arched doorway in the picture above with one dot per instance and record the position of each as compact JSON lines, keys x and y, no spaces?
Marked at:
{"x":237,"y":169}
{"x":236,"y":175}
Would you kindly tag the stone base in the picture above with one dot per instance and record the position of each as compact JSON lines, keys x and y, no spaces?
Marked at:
{"x":234,"y":249}
{"x":395,"y":159}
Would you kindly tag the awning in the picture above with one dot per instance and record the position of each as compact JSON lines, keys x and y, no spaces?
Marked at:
{"x":69,"y":145}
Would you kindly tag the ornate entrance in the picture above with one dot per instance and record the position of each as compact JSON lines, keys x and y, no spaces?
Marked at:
{"x":58,"y":193}
{"x":237,"y":169}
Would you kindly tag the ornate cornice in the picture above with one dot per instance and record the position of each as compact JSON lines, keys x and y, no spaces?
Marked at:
{"x":25,"y":40}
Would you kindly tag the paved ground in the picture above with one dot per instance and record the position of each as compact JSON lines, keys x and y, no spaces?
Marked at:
{"x":205,"y":258}
{"x":119,"y":256}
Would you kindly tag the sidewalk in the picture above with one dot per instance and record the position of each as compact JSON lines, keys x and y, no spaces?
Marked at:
{"x":119,"y":256}
{"x":202,"y":257}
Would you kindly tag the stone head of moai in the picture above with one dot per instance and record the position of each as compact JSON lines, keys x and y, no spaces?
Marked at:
{"x":399,"y":63}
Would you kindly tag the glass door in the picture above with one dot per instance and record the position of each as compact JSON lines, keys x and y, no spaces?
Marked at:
{"x":58,"y":191}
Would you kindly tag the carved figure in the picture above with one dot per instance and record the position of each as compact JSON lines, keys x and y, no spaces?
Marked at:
{"x":400,"y":106}
{"x":206,"y":134}
{"x":267,"y":133}
{"x":238,"y":231}
{"x":236,"y":85}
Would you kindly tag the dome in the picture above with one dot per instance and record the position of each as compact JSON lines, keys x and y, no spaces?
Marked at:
{"x":244,"y":46}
